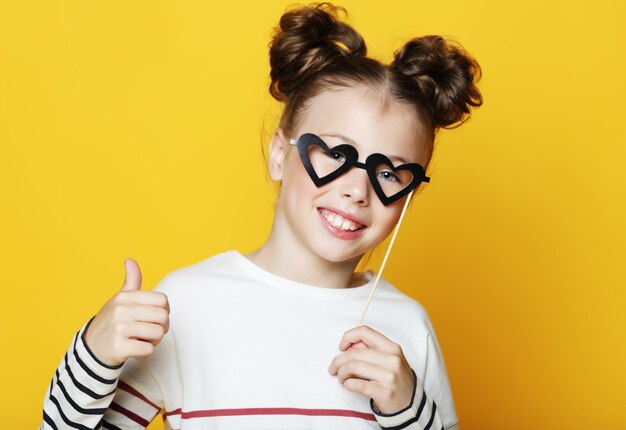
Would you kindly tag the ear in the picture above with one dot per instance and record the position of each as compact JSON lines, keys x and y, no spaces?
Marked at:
{"x":278,"y":150}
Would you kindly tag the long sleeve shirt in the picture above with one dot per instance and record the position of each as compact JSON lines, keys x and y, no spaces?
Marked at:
{"x":249,"y":349}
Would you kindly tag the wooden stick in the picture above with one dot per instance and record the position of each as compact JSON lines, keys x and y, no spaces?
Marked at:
{"x":382,"y":266}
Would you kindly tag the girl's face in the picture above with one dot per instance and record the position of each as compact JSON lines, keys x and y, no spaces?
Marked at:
{"x":323,"y":220}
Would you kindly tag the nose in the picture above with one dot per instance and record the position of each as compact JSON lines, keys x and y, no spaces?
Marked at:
{"x":355,"y":185}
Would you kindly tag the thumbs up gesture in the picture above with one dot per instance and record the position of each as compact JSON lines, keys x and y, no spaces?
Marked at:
{"x":131,"y":323}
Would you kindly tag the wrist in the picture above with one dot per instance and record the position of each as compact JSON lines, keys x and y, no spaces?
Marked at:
{"x":401,"y":411}
{"x":88,"y":342}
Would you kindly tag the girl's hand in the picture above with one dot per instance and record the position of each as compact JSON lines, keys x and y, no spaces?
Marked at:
{"x":131,"y":324}
{"x":374,"y":366}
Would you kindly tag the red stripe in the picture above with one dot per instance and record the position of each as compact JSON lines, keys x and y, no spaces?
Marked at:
{"x":271,"y":411}
{"x":130,"y":415}
{"x":124,"y":386}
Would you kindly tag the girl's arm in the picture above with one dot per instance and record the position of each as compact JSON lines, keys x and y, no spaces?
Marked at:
{"x":86,"y":393}
{"x":92,"y":388}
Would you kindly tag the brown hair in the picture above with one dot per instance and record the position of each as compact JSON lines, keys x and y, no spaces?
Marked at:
{"x":312,"y":50}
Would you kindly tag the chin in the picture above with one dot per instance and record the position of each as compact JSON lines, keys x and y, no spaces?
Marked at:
{"x":336,"y":255}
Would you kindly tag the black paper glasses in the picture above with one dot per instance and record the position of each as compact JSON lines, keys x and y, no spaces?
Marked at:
{"x":325,"y":164}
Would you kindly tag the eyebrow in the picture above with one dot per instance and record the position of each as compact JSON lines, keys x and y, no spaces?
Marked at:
{"x":353,"y":143}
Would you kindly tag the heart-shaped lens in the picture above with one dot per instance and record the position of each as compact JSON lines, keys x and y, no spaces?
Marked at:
{"x":392,"y":181}
{"x":325,"y":161}
{"x":322,"y":163}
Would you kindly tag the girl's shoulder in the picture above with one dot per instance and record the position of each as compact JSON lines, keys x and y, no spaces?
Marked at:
{"x":390,"y":297}
{"x":222,"y":265}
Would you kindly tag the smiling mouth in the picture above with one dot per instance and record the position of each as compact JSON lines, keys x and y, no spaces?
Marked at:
{"x":340,"y":222}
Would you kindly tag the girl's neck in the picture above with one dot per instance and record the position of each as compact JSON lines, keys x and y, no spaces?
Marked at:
{"x":301,"y":265}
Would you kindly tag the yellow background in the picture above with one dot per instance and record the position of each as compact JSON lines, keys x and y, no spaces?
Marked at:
{"x":133,"y":129}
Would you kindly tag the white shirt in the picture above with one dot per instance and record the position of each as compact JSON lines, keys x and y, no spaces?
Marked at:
{"x":248,"y":349}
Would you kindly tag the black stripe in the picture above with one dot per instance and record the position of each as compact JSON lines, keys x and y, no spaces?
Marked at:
{"x":422,"y":404}
{"x":50,"y":387}
{"x":82,"y":388}
{"x":95,"y":411}
{"x":432,"y":416}
{"x":88,"y":370}
{"x":56,"y":373}
{"x":97,"y":360}
{"x":65,"y":419}
{"x":412,"y":420}
{"x":110,"y":426}
{"x":49,"y":421}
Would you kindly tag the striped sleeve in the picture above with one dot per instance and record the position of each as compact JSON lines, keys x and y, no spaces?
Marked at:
{"x":138,"y":399}
{"x":421,"y":414}
{"x":81,"y":388}
{"x":86,"y":393}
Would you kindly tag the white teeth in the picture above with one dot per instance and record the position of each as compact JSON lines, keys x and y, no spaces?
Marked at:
{"x":339,"y":221}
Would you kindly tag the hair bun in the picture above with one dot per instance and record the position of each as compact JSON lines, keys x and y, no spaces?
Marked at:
{"x":445,"y":76}
{"x":307,"y":40}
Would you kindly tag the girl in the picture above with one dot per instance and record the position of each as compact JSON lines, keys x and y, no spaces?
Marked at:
{"x":254,"y":341}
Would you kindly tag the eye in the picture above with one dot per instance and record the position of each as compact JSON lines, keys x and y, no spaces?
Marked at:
{"x":387,"y":175}
{"x":336,"y":155}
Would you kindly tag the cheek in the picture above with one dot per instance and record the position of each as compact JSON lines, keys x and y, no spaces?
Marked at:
{"x":389,"y":217}
{"x":298,"y":188}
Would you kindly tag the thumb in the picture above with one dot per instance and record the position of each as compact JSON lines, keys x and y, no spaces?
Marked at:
{"x":132,"y":279}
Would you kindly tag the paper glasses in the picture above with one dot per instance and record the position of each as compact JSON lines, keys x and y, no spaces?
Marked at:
{"x":325,"y":164}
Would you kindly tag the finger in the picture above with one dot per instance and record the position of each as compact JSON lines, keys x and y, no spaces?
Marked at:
{"x":363,"y":370}
{"x":139,"y":348}
{"x":148,"y":297}
{"x":145,"y":331}
{"x":358,"y":345}
{"x":370,"y":389}
{"x":151,"y":314}
{"x":132,"y":279}
{"x":369,"y":337}
{"x":368,"y":355}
